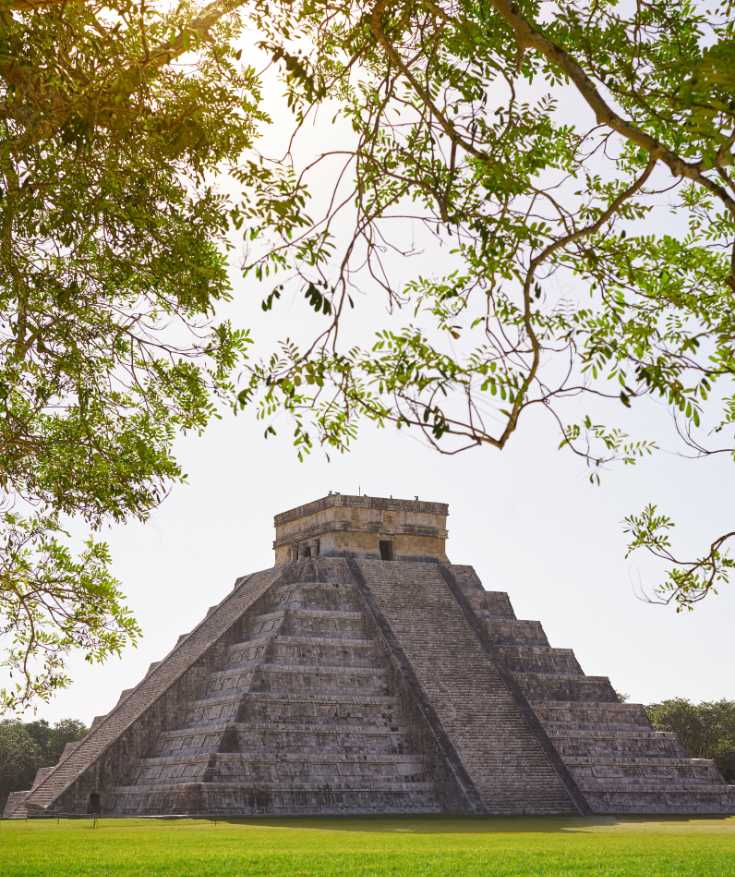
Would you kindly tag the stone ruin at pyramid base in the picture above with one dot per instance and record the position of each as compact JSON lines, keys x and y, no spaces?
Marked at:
{"x":365,"y":674}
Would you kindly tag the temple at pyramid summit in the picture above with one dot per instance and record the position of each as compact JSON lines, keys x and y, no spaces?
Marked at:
{"x":364,"y":673}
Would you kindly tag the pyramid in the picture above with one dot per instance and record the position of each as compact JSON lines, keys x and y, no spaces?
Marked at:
{"x":364,"y":673}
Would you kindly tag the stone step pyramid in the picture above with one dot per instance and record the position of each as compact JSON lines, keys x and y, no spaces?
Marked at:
{"x":364,"y":673}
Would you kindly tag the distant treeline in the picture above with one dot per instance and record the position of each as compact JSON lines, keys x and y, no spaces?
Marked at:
{"x":707,"y":730}
{"x":26,"y":746}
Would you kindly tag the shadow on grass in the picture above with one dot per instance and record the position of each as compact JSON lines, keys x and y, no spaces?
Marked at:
{"x":442,"y":824}
{"x":429,"y":824}
{"x":438,"y":824}
{"x":379,"y":824}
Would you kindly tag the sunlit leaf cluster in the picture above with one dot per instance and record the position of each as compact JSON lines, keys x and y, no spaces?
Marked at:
{"x":113,"y":253}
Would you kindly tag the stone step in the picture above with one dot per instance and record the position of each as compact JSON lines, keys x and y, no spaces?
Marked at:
{"x":192,"y":740}
{"x":41,"y":775}
{"x":280,"y":779}
{"x":337,"y":614}
{"x":328,"y":769}
{"x":234,"y":679}
{"x":321,"y":585}
{"x":500,"y":751}
{"x":170,"y":769}
{"x":321,"y":679}
{"x":211,"y":728}
{"x":328,"y":697}
{"x":314,"y":595}
{"x":580,"y":715}
{"x":304,"y":683}
{"x":560,"y":729}
{"x":338,"y":738}
{"x":496,"y":604}
{"x":539,"y":659}
{"x":469,"y":584}
{"x":14,"y":808}
{"x":287,"y":649}
{"x":296,"y":759}
{"x":332,"y":736}
{"x":325,"y":623}
{"x":325,"y":651}
{"x":252,"y":649}
{"x":540,"y":687}
{"x":396,"y":785}
{"x":698,"y":801}
{"x":644,"y":773}
{"x":207,"y":710}
{"x":264,"y":624}
{"x":605,"y":744}
{"x":321,"y":710}
{"x":336,"y":771}
{"x":69,"y":748}
{"x":305,"y":678}
{"x":233,"y":798}
{"x":512,"y":631}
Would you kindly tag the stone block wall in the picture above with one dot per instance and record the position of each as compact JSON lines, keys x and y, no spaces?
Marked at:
{"x":345,"y":526}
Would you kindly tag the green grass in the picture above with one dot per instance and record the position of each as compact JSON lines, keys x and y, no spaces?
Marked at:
{"x":399,"y":847}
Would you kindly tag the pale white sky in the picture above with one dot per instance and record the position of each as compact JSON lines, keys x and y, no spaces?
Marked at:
{"x":527,"y":519}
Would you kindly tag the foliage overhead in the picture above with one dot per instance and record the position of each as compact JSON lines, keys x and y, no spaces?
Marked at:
{"x":115,"y":119}
{"x":573,"y":165}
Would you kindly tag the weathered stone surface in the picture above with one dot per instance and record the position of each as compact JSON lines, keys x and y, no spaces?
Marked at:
{"x":301,"y":716}
{"x":344,"y":683}
{"x":15,"y":805}
{"x":619,"y":763}
{"x":500,"y":752}
{"x":42,"y":773}
{"x":126,"y":732}
{"x":341,"y":525}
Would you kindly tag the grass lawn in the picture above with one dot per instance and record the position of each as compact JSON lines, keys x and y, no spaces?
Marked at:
{"x":399,"y":847}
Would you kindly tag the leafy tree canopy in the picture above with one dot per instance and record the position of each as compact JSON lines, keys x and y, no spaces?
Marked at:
{"x":573,"y":162}
{"x":20,"y":757}
{"x":52,"y":739}
{"x":24,"y":747}
{"x":115,"y":118}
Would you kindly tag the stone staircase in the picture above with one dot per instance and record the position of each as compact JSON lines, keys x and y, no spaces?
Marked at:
{"x":617,"y":760}
{"x":14,"y":805}
{"x":299,"y":718}
{"x":506,"y":766}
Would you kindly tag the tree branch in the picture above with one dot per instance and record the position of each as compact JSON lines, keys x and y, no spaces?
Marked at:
{"x":528,"y":36}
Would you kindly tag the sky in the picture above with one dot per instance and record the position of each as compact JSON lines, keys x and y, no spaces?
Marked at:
{"x":527,"y":519}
